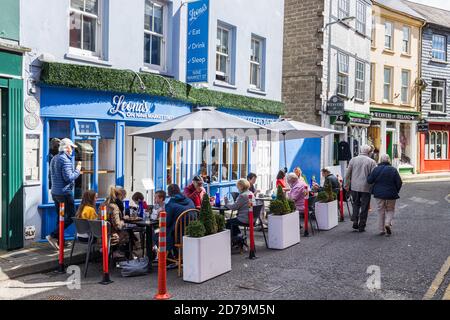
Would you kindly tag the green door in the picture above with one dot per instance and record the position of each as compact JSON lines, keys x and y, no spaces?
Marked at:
{"x":389,"y":136}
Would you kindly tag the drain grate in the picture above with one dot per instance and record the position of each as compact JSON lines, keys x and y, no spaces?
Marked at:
{"x":58,"y":298}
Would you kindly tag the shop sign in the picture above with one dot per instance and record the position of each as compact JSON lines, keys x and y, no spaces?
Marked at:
{"x":423,"y":126}
{"x":135,"y":109}
{"x":362,"y":121}
{"x":394,"y":116}
{"x":335,"y":106}
{"x":197,"y":41}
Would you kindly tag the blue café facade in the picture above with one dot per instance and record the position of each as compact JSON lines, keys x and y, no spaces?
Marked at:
{"x":100,"y":123}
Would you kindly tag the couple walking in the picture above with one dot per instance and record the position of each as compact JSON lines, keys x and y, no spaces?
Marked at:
{"x":364,"y":178}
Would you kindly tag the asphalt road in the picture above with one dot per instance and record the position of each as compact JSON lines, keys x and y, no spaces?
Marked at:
{"x":331,"y":265}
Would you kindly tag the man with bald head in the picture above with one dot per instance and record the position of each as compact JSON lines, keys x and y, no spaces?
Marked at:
{"x":358,"y":170}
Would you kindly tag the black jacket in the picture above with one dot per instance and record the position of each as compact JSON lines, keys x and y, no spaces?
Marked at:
{"x":344,"y":152}
{"x":331,"y":178}
{"x":386,"y":182}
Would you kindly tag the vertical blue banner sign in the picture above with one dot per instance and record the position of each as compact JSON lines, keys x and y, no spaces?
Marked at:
{"x":197,"y":41}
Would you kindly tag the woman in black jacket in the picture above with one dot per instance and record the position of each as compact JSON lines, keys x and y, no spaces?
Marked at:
{"x":386,"y":184}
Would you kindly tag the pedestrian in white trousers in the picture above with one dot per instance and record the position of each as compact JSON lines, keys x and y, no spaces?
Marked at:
{"x":386,"y":184}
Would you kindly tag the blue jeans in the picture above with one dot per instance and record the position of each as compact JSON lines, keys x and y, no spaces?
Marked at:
{"x":233,"y":225}
{"x":69,"y":212}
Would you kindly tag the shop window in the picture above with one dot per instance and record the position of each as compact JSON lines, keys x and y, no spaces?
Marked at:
{"x":427,"y":146}
{"x":86,"y":128}
{"x":432,"y":154}
{"x":178,"y":162}
{"x":154,"y":34}
{"x":169,"y":168}
{"x":405,"y":143}
{"x":85,"y":26}
{"x":225,"y":160}
{"x":215,"y":161}
{"x":235,"y":160}
{"x":106,"y":158}
{"x":436,"y":145}
{"x":85,"y":153}
{"x":244,"y":159}
{"x":58,"y":130}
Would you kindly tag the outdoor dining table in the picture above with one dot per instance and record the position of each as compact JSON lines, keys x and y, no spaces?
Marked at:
{"x":221,"y":209}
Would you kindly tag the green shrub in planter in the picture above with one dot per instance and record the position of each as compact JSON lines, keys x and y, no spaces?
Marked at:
{"x":277,"y":207}
{"x":292,"y":207}
{"x":195,"y":229}
{"x":327,"y":195}
{"x":220,"y":221}
{"x":207,"y":216}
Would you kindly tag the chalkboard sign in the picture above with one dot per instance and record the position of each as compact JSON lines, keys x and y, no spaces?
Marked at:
{"x":335,"y":106}
{"x":423,"y":126}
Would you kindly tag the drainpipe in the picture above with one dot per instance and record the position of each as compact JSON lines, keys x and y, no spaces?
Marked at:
{"x":418,"y":168}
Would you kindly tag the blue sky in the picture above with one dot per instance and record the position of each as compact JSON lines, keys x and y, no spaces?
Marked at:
{"x":443,"y":4}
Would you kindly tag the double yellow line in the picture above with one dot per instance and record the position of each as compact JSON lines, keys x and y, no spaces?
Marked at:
{"x":437,"y":283}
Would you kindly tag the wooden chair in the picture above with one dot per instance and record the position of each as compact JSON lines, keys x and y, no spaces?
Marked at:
{"x":182,"y":222}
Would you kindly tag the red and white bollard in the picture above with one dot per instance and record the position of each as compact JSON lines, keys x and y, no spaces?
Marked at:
{"x":105,"y":248}
{"x":162,"y":293}
{"x":61,"y":268}
{"x":341,"y":199}
{"x":306,"y":216}
{"x":252,"y":253}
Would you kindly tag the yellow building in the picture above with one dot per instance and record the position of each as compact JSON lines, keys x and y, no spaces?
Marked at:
{"x":395,"y":70}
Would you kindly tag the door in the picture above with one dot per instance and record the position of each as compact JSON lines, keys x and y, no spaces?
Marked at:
{"x":263,"y":166}
{"x":389,"y":140}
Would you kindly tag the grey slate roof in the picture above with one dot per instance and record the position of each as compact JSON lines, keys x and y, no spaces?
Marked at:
{"x":432,"y":15}
{"x":400,"y":6}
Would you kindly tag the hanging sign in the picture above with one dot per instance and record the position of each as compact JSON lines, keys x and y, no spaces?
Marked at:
{"x":197,"y":41}
{"x":423,"y":126}
{"x":335,"y":106}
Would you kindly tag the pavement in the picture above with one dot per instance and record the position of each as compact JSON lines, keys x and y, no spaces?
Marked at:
{"x":412,"y":264}
{"x":426,"y":177}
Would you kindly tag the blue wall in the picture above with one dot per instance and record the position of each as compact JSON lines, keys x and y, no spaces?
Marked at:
{"x":303,"y":153}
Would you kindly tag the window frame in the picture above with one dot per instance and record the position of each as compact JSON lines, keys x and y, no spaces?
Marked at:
{"x":343,"y":12}
{"x":81,"y":134}
{"x":391,"y":69}
{"x":343,"y":74}
{"x":152,"y":33}
{"x":431,"y":143}
{"x":407,"y":41}
{"x":407,"y":86}
{"x":259,"y":65}
{"x":391,"y":35}
{"x":433,"y":49}
{"x":98,"y":31}
{"x":372,"y":81}
{"x":227,"y":74}
{"x":438,"y":89}
{"x":361,"y":24}
{"x":360,"y":81}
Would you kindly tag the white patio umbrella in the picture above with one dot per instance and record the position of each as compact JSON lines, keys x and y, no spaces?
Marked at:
{"x":203,"y":123}
{"x":291,"y":130}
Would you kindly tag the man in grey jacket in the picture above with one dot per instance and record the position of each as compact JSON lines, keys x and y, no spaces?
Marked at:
{"x":358,"y":170}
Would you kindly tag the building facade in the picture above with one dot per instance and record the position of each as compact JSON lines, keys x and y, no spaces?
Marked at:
{"x":435,"y":80}
{"x":11,"y":126}
{"x":96,"y":84}
{"x":395,"y":93}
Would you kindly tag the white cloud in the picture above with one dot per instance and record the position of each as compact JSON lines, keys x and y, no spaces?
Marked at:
{"x":443,"y":4}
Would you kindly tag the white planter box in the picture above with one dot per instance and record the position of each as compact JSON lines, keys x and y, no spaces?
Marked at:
{"x":284,"y":231}
{"x":207,"y":257}
{"x":327,"y":215}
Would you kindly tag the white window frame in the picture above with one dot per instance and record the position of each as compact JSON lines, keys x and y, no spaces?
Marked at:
{"x":361,"y":17}
{"x":406,"y":43}
{"x":259,"y":65}
{"x":440,"y":90}
{"x":162,"y":66}
{"x":343,"y":8}
{"x":432,"y":145}
{"x":227,"y":73}
{"x":439,"y":50}
{"x":360,"y":82}
{"x":372,"y":81}
{"x":405,"y":87}
{"x":373,"y":32}
{"x":391,"y":35}
{"x":98,"y":34}
{"x":390,"y":84}
{"x":342,"y":73}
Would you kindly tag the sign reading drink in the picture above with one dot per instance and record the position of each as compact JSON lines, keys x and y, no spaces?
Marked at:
{"x":197,"y":41}
{"x":335,"y":106}
{"x":135,"y":109}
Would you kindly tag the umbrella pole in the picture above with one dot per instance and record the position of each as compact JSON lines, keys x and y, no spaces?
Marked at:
{"x":285,"y":159}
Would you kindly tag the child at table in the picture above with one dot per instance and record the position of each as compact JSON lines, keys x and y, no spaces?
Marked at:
{"x":160,"y":198}
{"x":86,"y":210}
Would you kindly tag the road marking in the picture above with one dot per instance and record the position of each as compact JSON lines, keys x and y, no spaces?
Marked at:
{"x":403,"y":206}
{"x":438,"y":281}
{"x":447,"y":293}
{"x":424,"y":201}
{"x":448,"y":198}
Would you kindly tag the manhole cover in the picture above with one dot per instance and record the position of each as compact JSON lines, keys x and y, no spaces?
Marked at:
{"x":58,"y":298}
{"x":269,"y":288}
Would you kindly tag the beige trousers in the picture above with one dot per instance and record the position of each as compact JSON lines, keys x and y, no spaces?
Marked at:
{"x":386,"y":209}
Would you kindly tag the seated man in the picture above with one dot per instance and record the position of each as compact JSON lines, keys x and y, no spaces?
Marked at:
{"x":195,"y":191}
{"x":177,"y":204}
{"x":329,"y":178}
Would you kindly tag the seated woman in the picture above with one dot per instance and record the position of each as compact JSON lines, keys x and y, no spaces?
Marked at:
{"x":281,"y":176}
{"x":241,"y":205}
{"x":299,"y":191}
{"x":86,"y":211}
{"x":118,"y":235}
{"x":138,"y":197}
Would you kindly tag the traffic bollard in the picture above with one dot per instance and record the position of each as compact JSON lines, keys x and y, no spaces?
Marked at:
{"x":162,"y":293}
{"x":105,"y":248}
{"x":305,"y":217}
{"x":252,"y":253}
{"x":341,"y":204}
{"x":61,"y":268}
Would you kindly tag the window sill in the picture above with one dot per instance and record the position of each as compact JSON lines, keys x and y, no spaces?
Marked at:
{"x":373,"y":48}
{"x":257,"y":91}
{"x":343,"y":96}
{"x":437,"y":114}
{"x":438,"y":61}
{"x":154,"y":71}
{"x":360,"y":101}
{"x":406,"y":55}
{"x":388,"y":103}
{"x":406,"y":105}
{"x":224,"y":85}
{"x":94,"y":60}
{"x":388,"y":51}
{"x":345,"y":24}
{"x":361,"y":34}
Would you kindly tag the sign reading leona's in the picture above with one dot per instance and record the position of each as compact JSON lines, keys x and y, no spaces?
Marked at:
{"x":135,"y":109}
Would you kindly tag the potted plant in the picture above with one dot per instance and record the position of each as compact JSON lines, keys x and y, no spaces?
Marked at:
{"x":326,"y":208}
{"x":283,"y":222}
{"x":206,"y":246}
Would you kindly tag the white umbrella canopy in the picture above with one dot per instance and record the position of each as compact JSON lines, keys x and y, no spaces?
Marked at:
{"x":203,"y":123}
{"x":299,"y":130}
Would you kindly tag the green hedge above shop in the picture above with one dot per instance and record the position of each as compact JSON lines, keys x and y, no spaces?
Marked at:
{"x":105,"y":79}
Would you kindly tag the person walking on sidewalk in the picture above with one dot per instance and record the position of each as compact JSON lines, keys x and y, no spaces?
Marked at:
{"x":358,"y":170}
{"x":386,"y":186}
{"x":63,"y":176}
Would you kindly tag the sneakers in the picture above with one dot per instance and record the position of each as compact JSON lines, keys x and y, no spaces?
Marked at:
{"x":355,"y":226}
{"x":388,"y":230}
{"x":362,"y":229}
{"x":52,"y":241}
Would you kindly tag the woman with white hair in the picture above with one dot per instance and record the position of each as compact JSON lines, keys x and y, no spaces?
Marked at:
{"x":386,"y":183}
{"x":299,"y":191}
